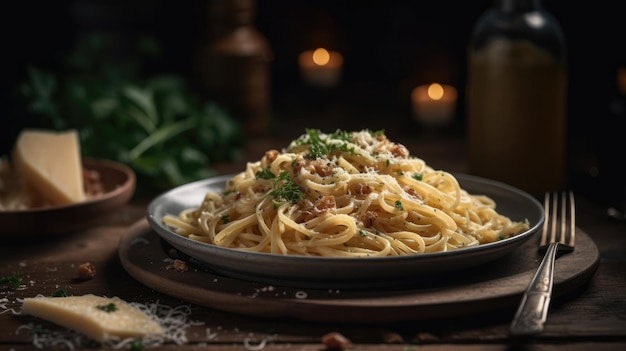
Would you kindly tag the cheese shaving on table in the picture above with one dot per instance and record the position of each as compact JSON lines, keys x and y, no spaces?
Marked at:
{"x":107,"y":321}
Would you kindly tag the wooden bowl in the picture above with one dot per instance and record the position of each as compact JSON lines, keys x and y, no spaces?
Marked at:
{"x":119,"y":186}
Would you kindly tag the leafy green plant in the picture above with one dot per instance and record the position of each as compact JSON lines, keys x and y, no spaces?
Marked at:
{"x":155,"y":124}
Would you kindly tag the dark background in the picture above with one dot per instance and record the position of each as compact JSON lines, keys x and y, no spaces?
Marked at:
{"x":389,"y":47}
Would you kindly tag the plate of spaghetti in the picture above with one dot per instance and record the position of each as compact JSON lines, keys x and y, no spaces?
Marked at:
{"x":343,"y":210}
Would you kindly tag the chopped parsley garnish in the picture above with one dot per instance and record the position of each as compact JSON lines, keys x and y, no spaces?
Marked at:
{"x":377,"y":132}
{"x":228,"y":192}
{"x":225,"y":219}
{"x":417,"y":176}
{"x":320,"y":147}
{"x":135,"y":345}
{"x":59,"y":293}
{"x":285,"y":190}
{"x":108,"y":308}
{"x":265,"y":173}
{"x":13,"y":281}
{"x":398,"y":205}
{"x":317,"y":147}
{"x":342,"y":135}
{"x":362,"y":233}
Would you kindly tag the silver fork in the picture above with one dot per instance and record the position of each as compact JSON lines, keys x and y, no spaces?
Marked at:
{"x":533,"y":309}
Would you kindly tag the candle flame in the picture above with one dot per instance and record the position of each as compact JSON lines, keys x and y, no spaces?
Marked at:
{"x":435,"y":91}
{"x":321,"y":57}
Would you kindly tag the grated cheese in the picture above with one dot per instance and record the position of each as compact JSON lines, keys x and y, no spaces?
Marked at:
{"x":172,"y":323}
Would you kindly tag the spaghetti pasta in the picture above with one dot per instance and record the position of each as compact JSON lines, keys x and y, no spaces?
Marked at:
{"x":344,"y":194}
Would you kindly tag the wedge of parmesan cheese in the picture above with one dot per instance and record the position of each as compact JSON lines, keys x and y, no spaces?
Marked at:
{"x":51,"y":163}
{"x":100,"y":318}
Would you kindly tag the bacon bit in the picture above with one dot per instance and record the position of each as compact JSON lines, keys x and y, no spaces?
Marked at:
{"x":336,"y":341}
{"x":321,"y":206}
{"x":178,"y":265}
{"x":86,"y":271}
{"x":412,"y":192}
{"x":324,"y":203}
{"x":399,"y":150}
{"x":298,"y":164}
{"x":368,"y":218}
{"x":305,"y":216}
{"x":321,"y":167}
{"x":360,"y":189}
{"x":269,"y":157}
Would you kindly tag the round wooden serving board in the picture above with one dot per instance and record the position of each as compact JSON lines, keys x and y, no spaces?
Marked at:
{"x":489,"y":287}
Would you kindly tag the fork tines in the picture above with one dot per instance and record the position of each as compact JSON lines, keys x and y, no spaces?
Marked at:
{"x":560,"y":219}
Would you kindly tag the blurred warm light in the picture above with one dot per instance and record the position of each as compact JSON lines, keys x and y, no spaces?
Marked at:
{"x":434,"y":104}
{"x":321,"y":57}
{"x":320,"y":67}
{"x":435,"y":91}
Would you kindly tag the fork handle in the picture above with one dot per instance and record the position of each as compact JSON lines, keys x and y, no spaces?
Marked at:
{"x":533,"y":309}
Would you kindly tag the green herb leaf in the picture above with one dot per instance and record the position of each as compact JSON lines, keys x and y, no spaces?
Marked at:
{"x":398,"y":205}
{"x":136,"y":345}
{"x":377,"y":133}
{"x":320,"y":145}
{"x":13,"y":281}
{"x":285,"y":190}
{"x":108,"y":308}
{"x":59,"y":293}
{"x":265,"y":174}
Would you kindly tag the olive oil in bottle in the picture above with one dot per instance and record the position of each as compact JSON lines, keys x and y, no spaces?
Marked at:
{"x":517,"y":97}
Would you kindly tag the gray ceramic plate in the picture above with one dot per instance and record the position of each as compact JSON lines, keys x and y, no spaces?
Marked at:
{"x":343,"y":273}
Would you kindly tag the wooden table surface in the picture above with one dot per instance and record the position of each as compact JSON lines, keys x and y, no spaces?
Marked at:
{"x":592,"y":317}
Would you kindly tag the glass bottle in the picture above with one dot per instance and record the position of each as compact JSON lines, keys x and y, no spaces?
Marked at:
{"x":517,"y":97}
{"x":233,"y":63}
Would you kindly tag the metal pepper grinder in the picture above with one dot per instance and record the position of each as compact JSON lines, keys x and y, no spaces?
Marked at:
{"x":232,"y":64}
